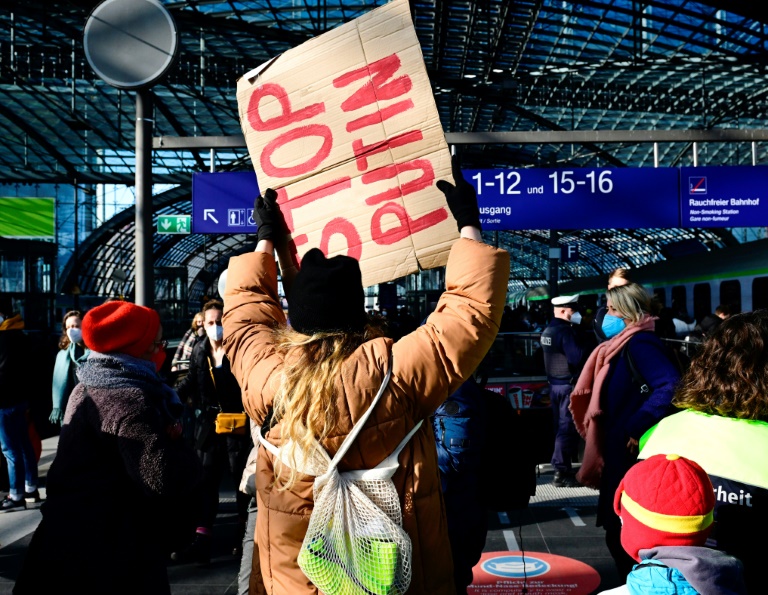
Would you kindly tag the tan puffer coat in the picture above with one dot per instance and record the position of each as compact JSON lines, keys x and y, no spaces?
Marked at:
{"x":428,"y":365}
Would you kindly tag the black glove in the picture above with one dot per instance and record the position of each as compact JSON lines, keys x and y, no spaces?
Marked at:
{"x":461,"y":198}
{"x":269,"y":219}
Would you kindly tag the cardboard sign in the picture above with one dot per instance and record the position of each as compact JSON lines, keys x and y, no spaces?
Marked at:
{"x":344,"y":127}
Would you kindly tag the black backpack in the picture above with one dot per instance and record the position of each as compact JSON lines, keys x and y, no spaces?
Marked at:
{"x":637,"y":377}
{"x":482,"y":438}
{"x":509,"y":462}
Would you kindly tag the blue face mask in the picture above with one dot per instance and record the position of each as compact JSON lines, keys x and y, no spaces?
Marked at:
{"x":613,"y":325}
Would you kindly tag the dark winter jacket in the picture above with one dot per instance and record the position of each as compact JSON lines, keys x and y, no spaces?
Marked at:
{"x":563,"y":352}
{"x":209,"y":390}
{"x":201,"y":391}
{"x":119,"y":474}
{"x":628,"y":413}
{"x":15,"y":363}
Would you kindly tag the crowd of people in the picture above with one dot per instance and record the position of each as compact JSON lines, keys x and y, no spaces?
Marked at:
{"x":669,"y":450}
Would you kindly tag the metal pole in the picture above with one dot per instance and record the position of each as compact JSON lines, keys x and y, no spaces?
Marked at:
{"x":554,"y":262}
{"x":655,"y":154}
{"x":144,"y":271}
{"x":695,"y":154}
{"x":754,"y":153}
{"x":76,"y":256}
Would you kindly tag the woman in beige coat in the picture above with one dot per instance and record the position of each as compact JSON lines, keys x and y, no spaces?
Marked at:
{"x":317,"y":377}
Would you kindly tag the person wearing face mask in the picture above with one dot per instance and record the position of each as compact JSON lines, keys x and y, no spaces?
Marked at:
{"x":72,"y":353}
{"x":210,"y":388}
{"x":563,"y":356}
{"x":183,"y":352}
{"x":612,"y":410}
{"x":616,"y":278}
{"x":120,"y":471}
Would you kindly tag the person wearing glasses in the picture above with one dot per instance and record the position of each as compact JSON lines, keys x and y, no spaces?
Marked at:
{"x":121,"y":468}
{"x":210,"y":388}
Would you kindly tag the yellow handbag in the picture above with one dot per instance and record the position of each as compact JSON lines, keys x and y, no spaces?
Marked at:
{"x":231,"y":423}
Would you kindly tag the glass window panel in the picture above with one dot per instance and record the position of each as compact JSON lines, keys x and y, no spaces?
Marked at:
{"x":12,"y":274}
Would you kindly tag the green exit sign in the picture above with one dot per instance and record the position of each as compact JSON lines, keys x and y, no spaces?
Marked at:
{"x":173,"y":223}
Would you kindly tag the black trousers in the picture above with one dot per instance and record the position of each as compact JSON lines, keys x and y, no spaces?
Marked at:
{"x":227,"y":453}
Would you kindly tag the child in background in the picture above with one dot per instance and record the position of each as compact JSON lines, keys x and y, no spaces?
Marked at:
{"x":666,"y":505}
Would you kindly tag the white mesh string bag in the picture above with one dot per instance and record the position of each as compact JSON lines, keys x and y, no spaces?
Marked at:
{"x":355,"y":543}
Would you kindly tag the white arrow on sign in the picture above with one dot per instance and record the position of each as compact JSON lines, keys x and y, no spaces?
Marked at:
{"x":208,"y":214}
{"x":166,"y":223}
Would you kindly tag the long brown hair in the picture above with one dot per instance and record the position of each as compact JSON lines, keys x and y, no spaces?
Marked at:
{"x":729,"y":375}
{"x":64,"y":340}
{"x":306,"y":402}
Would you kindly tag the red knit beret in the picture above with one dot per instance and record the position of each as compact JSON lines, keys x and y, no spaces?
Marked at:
{"x":120,"y":327}
{"x":664,"y":500}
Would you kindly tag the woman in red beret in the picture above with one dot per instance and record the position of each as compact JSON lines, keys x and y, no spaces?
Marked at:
{"x":120,"y":468}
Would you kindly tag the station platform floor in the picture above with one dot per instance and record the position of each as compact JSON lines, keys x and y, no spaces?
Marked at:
{"x":558,"y":521}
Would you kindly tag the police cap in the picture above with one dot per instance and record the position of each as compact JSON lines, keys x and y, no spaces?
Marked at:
{"x":566,"y":301}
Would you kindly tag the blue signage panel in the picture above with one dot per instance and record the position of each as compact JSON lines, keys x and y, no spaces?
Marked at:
{"x":569,"y":253}
{"x":223,"y":202}
{"x":724,"y":196}
{"x":586,"y":198}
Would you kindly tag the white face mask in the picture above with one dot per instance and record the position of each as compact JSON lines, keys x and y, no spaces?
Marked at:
{"x":215,"y":333}
{"x":75,"y":335}
{"x":576,"y":318}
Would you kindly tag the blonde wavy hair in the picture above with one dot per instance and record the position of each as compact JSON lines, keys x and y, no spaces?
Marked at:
{"x":632,"y":301}
{"x":305,"y":402}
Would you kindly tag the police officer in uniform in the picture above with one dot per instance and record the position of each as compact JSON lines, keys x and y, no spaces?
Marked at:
{"x":563,"y":356}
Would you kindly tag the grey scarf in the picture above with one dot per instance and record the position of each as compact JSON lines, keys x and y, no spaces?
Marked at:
{"x":118,"y":370}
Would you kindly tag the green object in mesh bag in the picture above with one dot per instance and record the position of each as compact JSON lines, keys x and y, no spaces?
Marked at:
{"x":355,"y":542}
{"x":376,"y":565}
{"x":318,"y":561}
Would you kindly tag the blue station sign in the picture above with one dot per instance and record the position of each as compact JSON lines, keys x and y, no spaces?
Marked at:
{"x":517,"y":199}
{"x":724,"y":196}
{"x":223,"y":202}
{"x":520,"y":199}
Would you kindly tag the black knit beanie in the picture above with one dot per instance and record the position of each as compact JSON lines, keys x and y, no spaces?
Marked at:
{"x":327,"y":295}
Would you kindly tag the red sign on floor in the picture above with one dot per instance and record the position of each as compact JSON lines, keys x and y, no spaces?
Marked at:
{"x":505,"y":573}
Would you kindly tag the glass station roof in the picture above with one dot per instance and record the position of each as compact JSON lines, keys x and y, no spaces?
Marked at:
{"x":495,"y":65}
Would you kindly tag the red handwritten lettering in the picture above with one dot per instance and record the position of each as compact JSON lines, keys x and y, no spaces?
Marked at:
{"x":363,"y":152}
{"x":288,"y":205}
{"x":376,"y":89}
{"x":379,"y":116}
{"x":396,"y":170}
{"x":343,"y":227}
{"x":286,"y":117}
{"x":407,"y":225}
{"x":303,"y":168}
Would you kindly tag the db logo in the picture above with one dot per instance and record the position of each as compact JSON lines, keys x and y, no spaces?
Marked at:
{"x":515,"y":566}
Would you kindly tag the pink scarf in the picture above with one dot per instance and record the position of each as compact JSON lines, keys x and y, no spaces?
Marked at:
{"x":585,"y":399}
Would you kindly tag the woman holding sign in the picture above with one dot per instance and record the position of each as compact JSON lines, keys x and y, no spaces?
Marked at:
{"x":315,"y":377}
